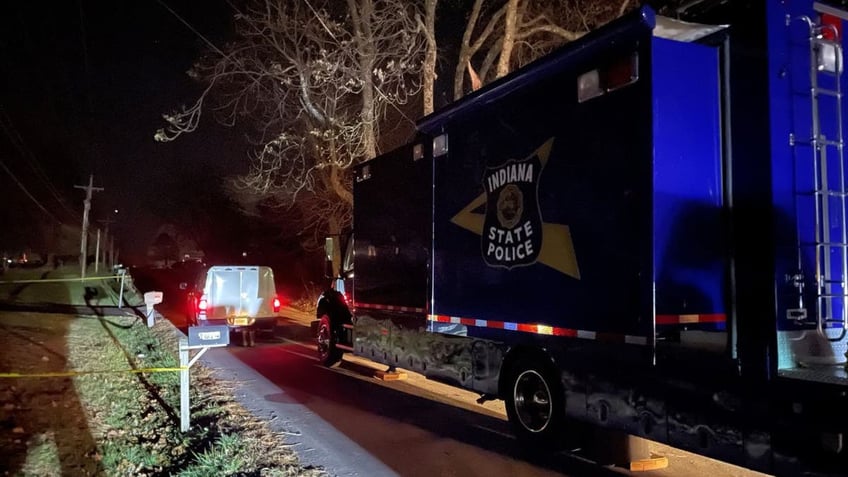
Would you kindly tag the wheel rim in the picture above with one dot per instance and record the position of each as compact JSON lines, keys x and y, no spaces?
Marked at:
{"x":532,"y":399}
{"x":323,"y":340}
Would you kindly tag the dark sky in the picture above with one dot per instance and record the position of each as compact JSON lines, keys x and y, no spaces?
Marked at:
{"x":84,"y":84}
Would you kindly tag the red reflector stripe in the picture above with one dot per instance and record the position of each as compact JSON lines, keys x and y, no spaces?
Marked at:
{"x":541,"y":329}
{"x":565,"y":332}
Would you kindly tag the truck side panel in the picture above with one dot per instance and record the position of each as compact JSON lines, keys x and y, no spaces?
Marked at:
{"x":392,"y":248}
{"x":542,"y":209}
{"x":689,"y":224}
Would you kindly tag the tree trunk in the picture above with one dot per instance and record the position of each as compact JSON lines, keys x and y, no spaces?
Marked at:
{"x":361,"y":14}
{"x":465,"y":51}
{"x":429,"y":72}
{"x":508,"y":39}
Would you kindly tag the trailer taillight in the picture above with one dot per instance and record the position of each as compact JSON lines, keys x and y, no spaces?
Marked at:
{"x":613,"y":76}
{"x":276,"y":304}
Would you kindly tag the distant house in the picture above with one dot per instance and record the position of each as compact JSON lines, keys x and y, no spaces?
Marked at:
{"x":169,"y":246}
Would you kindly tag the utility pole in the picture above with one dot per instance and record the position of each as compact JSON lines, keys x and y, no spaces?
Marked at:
{"x":106,"y":240}
{"x":84,"y":242}
{"x":97,"y":253}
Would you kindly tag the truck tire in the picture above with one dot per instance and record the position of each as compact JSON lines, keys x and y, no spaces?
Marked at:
{"x":328,"y":353}
{"x":535,"y":404}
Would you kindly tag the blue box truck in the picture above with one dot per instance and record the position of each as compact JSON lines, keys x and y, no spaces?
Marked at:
{"x":642,"y":231}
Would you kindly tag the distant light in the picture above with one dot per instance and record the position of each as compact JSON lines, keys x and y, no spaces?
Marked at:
{"x":116,"y":211}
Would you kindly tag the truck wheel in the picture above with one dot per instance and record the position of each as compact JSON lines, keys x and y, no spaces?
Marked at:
{"x":328,"y":353}
{"x":535,"y":404}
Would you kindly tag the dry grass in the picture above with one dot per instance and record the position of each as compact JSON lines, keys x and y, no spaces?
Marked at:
{"x":120,"y":424}
{"x":308,"y":298}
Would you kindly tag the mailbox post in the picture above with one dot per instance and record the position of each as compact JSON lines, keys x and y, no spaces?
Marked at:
{"x":151,"y":298}
{"x":202,"y":338}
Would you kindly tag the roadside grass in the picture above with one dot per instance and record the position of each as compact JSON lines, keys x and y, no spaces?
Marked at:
{"x":115,"y":423}
{"x":308,"y":297}
{"x":127,"y":424}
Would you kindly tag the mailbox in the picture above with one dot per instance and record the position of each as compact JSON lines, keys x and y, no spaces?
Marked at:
{"x":152,"y":298}
{"x":208,"y":336}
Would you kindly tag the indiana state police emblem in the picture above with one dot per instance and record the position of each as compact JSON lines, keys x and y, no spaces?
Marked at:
{"x":512,"y":230}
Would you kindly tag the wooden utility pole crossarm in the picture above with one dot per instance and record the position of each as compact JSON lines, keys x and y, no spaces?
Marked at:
{"x":89,"y":189}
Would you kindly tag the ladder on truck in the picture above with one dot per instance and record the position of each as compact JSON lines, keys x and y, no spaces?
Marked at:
{"x":829,"y":187}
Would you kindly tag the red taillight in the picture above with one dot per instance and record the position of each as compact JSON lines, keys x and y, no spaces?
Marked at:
{"x":201,"y":305}
{"x":276,"y":304}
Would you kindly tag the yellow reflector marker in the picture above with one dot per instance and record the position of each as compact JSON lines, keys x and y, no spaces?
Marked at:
{"x":654,"y":463}
{"x":688,"y":319}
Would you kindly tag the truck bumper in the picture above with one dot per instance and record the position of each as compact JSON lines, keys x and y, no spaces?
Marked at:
{"x":263,"y":323}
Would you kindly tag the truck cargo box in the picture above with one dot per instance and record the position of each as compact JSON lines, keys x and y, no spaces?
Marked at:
{"x":579,"y":198}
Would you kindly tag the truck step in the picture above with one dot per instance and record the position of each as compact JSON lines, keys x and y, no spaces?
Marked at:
{"x":391,"y":375}
{"x":652,"y":463}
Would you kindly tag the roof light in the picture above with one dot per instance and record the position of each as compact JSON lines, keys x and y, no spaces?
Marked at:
{"x":611,"y":77}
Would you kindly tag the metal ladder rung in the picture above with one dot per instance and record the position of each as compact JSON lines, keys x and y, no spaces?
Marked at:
{"x":829,"y":193}
{"x":827,"y":142}
{"x":827,"y":92}
{"x":820,"y":142}
{"x":825,"y":244}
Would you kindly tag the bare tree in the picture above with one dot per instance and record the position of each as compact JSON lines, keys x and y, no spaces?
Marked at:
{"x":428,"y":73}
{"x":315,"y":77}
{"x":511,"y":33}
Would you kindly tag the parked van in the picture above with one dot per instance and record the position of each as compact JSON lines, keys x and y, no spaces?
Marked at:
{"x":242,"y":297}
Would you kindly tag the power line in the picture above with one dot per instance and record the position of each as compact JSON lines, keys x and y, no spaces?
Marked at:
{"x":212,"y":45}
{"x":23,"y":188}
{"x":25,"y":152}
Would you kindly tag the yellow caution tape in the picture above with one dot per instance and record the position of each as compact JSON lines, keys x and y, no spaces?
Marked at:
{"x":64,"y":374}
{"x":59,"y":280}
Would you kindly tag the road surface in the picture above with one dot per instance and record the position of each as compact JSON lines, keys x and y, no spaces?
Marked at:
{"x":350,"y":423}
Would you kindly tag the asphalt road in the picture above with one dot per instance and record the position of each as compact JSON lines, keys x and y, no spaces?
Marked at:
{"x":350,"y":423}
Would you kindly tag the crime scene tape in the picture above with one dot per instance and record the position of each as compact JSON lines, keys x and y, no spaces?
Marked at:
{"x":64,"y":374}
{"x":45,"y":280}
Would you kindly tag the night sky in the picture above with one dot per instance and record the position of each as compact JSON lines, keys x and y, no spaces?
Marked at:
{"x":84,"y":84}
